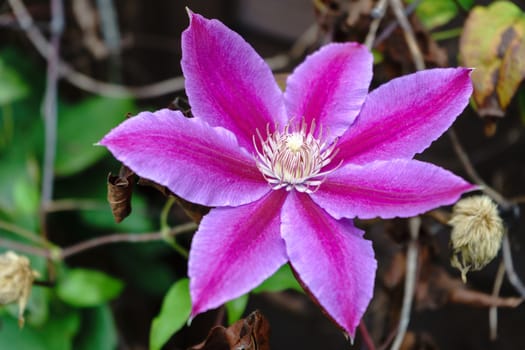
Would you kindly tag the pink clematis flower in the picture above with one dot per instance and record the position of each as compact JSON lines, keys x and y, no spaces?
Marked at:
{"x":287,"y":172}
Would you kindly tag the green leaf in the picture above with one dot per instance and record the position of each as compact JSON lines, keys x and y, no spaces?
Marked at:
{"x":82,"y":125}
{"x":38,"y":306}
{"x":281,"y":280}
{"x":26,"y":196}
{"x":56,"y":334}
{"x":85,"y":288}
{"x":466,"y":4}
{"x":493,"y":42}
{"x":19,"y":192}
{"x":236,"y":308}
{"x":98,"y":330}
{"x":436,"y":13}
{"x":174,"y":313}
{"x":12,"y":86}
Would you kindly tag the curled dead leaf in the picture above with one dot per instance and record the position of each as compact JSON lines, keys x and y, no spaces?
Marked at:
{"x":250,"y":333}
{"x":120,"y":188}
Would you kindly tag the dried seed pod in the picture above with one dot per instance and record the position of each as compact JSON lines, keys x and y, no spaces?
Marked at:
{"x":16,"y":280}
{"x":477,"y":230}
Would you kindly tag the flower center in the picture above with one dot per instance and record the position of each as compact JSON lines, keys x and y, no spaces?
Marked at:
{"x":294,"y":160}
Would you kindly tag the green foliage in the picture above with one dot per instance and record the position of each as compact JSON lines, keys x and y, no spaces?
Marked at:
{"x":74,"y":314}
{"x":56,"y":334}
{"x":174,"y":313}
{"x":97,"y":331}
{"x":466,"y":4}
{"x":436,"y":13}
{"x":282,"y":279}
{"x":236,"y":307}
{"x":83,"y":124}
{"x":102,"y":217}
{"x":12,"y":85}
{"x":85,"y":288}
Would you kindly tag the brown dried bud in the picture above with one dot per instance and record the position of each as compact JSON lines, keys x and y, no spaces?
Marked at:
{"x":16,"y":280}
{"x":477,"y":230}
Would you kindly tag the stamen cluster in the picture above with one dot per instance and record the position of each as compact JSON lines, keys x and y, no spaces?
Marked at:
{"x":294,"y":159}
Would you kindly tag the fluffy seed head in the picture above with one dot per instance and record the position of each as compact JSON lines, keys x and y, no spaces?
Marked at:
{"x":477,"y":230}
{"x":16,"y":280}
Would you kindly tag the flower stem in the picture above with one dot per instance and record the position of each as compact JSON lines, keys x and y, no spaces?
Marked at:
{"x":22,"y":232}
{"x":165,"y":229}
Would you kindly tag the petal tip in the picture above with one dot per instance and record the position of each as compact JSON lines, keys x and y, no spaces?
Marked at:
{"x":191,"y":15}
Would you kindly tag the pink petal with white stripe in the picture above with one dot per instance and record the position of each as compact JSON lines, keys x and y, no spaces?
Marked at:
{"x":331,"y":258}
{"x":403,"y":117}
{"x":330,"y":87}
{"x":202,"y":164}
{"x":388,"y":189}
{"x":234,"y":250}
{"x":227,"y":82}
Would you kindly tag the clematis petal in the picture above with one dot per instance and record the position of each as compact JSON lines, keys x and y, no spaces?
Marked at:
{"x":399,"y":187}
{"x":331,"y":258}
{"x":234,"y":250}
{"x":202,"y":164}
{"x":227,"y":82}
{"x":404,"y":116}
{"x":330,"y":87}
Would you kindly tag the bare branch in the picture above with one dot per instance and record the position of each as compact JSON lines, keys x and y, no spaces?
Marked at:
{"x":509,"y":267}
{"x":493,"y":311}
{"x":61,"y":254}
{"x":410,"y":281}
{"x":50,"y":110}
{"x":378,"y":12}
{"x":410,"y":38}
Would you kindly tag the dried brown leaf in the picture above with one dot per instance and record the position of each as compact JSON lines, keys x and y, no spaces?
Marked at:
{"x":120,"y":188}
{"x":250,"y":333}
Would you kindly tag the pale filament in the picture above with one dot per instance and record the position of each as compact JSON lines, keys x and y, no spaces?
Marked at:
{"x":294,"y":159}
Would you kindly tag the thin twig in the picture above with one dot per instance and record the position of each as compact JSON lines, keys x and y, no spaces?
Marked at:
{"x":410,"y":281}
{"x":496,"y":196}
{"x":25,"y":248}
{"x":509,"y":267}
{"x":394,"y":24}
{"x":165,"y":229}
{"x":50,"y":109}
{"x":60,"y":254}
{"x":365,"y":335}
{"x":84,"y":81}
{"x":518,"y":200}
{"x":379,"y":12}
{"x":410,"y":38}
{"x":87,"y":83}
{"x":119,"y":237}
{"x":22,"y":232}
{"x":111,"y":34}
{"x":298,"y":49}
{"x":74,"y":204}
{"x":472,"y":173}
{"x":493,"y":311}
{"x":441,"y":216}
